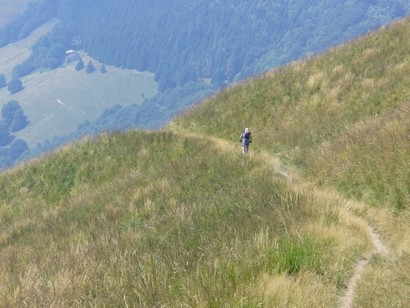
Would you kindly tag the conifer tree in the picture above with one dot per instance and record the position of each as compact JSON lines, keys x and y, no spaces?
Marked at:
{"x":15,"y":85}
{"x":80,"y":65}
{"x":90,"y":68}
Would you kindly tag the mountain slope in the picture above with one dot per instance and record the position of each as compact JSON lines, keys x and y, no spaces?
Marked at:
{"x":164,"y":218}
{"x":343,"y":119}
{"x":179,"y":217}
{"x":329,"y":106}
{"x":192,"y":47}
{"x":186,"y":40}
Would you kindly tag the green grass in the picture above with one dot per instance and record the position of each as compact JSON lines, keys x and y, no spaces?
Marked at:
{"x":160,"y":218}
{"x":342,"y":119}
{"x":179,"y":217}
{"x":302,"y":110}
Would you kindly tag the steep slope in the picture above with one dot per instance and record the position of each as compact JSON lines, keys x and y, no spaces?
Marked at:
{"x":180,"y":218}
{"x":169,"y":219}
{"x":343,"y":119}
{"x":192,"y":47}
{"x":321,"y":113}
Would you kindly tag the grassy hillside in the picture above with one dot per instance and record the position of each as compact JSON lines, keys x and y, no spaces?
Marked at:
{"x":179,"y":217}
{"x":164,"y":218}
{"x":85,"y":97}
{"x":343,"y":120}
{"x":341,"y":117}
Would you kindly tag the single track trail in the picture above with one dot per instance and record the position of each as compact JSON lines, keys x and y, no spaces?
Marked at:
{"x":294,"y":179}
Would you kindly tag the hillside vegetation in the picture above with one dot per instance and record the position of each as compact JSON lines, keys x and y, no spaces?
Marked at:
{"x":191,"y":47}
{"x":343,"y":119}
{"x":157,"y":218}
{"x":179,"y":217}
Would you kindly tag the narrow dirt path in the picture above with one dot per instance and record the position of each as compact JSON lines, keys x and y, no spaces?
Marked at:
{"x":347,"y":300}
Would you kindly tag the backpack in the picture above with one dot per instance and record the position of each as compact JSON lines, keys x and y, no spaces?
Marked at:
{"x":246,"y":138}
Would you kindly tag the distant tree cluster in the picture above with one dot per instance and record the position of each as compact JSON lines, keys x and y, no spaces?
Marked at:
{"x":50,"y":50}
{"x":14,"y":85}
{"x":12,"y":120}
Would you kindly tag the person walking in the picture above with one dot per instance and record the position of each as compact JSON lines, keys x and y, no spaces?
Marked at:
{"x":246,"y":139}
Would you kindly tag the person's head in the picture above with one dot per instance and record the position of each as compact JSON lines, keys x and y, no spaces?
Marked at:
{"x":247,"y":130}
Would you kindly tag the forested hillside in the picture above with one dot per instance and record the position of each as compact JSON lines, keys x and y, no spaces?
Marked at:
{"x":224,"y":40}
{"x":11,"y":9}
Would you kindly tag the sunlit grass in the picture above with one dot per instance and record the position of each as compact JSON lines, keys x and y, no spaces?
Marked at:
{"x":180,"y":217}
{"x":342,"y":119}
{"x":163,"y":218}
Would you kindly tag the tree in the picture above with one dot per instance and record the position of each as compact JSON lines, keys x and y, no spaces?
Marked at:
{"x":9,"y":110}
{"x":56,"y":55}
{"x":19,"y":121}
{"x":15,"y":85}
{"x":23,"y":69}
{"x":80,"y":65}
{"x":90,"y":68}
{"x":3,"y":81}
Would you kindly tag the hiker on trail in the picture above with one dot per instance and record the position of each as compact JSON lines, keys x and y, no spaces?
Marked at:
{"x":246,"y":139}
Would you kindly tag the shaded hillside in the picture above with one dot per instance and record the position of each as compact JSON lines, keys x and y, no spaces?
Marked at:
{"x":10,"y":9}
{"x":186,"y":40}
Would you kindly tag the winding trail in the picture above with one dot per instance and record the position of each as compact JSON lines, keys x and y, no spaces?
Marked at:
{"x":346,"y":301}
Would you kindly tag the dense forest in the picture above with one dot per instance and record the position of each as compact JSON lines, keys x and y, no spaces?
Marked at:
{"x":185,"y":41}
{"x":194,"y":47}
